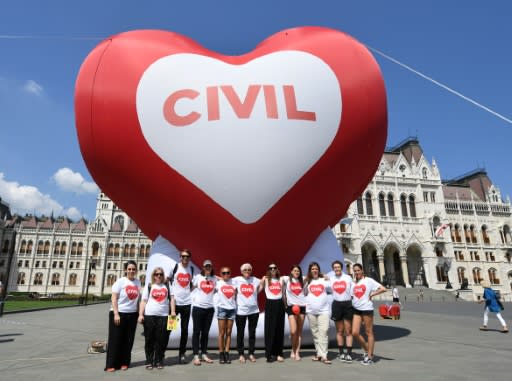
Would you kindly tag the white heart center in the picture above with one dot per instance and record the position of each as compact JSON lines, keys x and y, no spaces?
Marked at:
{"x":243,"y":134}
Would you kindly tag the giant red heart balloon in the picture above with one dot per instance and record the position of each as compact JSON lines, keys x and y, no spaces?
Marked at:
{"x":238,"y":158}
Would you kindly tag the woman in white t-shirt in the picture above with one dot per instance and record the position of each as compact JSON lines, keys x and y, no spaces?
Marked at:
{"x":295,"y":307}
{"x":154,"y":310}
{"x":123,"y":319}
{"x":318,"y":310}
{"x":202,"y":312}
{"x":274,"y":314}
{"x":247,"y":289}
{"x":363,"y":290}
{"x":226,"y":311}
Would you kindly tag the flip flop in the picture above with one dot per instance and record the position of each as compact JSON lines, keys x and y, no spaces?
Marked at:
{"x":252,"y":358}
{"x":327,"y":361}
{"x":315,"y":358}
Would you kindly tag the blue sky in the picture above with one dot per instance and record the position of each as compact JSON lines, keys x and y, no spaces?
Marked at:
{"x":465,"y":46}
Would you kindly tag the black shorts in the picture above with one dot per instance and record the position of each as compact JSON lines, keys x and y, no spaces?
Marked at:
{"x":363,"y":313}
{"x":290,"y":312}
{"x":396,"y":300}
{"x":342,"y":310}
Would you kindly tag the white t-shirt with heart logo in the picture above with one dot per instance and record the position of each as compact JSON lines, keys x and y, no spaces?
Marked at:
{"x":205,"y":289}
{"x":317,"y":299}
{"x":341,"y":287}
{"x":157,"y":300}
{"x":294,"y":291}
{"x":129,"y":292}
{"x":246,"y":295}
{"x":361,"y":293}
{"x":226,"y":294}
{"x":274,"y":289}
{"x":181,"y":285}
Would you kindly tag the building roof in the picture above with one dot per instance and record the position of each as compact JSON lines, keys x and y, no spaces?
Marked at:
{"x":476,"y":180}
{"x":409,"y":147}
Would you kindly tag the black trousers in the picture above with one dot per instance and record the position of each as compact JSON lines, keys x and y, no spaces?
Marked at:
{"x":120,"y":339}
{"x":184,"y":312}
{"x":202,"y":319}
{"x":240,"y":332}
{"x":274,"y":327}
{"x":157,"y":336}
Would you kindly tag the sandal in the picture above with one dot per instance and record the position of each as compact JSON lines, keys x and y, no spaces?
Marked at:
{"x":196,"y":361}
{"x":326,"y":361}
{"x":242,"y":360}
{"x":149,"y":367}
{"x":315,"y":358}
{"x":207,"y":360}
{"x":280,"y":359}
{"x":252,"y":358}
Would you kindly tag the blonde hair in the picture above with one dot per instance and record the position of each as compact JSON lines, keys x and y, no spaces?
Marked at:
{"x":485,"y":284}
{"x":245,"y":265}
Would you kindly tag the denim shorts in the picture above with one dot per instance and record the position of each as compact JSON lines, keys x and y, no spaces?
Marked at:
{"x":224,"y":313}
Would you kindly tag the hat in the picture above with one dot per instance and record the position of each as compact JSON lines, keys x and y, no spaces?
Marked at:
{"x":207,"y":262}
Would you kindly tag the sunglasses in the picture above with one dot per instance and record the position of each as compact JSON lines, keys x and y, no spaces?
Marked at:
{"x":226,"y":272}
{"x":272,"y":268}
{"x":159,"y":274}
{"x":207,"y":266}
{"x":247,"y":270}
{"x":185,"y":256}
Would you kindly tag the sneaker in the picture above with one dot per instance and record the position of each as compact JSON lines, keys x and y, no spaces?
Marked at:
{"x":365,"y":357}
{"x":367,"y":361}
{"x":348,"y":358}
{"x":182,"y":359}
{"x":341,"y":357}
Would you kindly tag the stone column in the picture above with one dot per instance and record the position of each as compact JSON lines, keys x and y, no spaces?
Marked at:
{"x":382,"y":270}
{"x":405,"y":271}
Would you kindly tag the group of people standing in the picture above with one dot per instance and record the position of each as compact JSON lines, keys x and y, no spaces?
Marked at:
{"x":169,"y":294}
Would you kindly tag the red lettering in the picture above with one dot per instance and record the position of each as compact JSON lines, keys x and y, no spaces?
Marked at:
{"x":269,"y":93}
{"x":291,"y":106}
{"x":242,"y":109}
{"x":212,"y":101}
{"x":170,"y":112}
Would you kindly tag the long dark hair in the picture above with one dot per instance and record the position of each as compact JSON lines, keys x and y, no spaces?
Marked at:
{"x":301,"y":278}
{"x":130,"y":262}
{"x":310,"y":276}
{"x":269,"y":273}
{"x":212,"y":273}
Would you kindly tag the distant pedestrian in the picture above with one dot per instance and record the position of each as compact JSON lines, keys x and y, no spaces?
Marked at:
{"x":492,"y":304}
{"x":396,"y":296}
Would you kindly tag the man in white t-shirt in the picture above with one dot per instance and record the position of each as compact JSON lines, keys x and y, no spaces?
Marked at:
{"x":181,"y":278}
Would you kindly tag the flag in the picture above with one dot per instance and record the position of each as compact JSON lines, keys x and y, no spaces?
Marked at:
{"x":440,"y":230}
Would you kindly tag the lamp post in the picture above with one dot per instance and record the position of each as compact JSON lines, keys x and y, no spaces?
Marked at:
{"x":92,"y":264}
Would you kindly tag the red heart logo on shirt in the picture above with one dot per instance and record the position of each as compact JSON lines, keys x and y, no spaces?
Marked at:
{"x":206,"y":286}
{"x":183,"y":279}
{"x":316,"y":289}
{"x":247,"y":290}
{"x":359,"y":290}
{"x":132,"y":292}
{"x":339,"y":286}
{"x":295,"y":287}
{"x":275,"y":288}
{"x":220,"y":134}
{"x":159,"y":294}
{"x":228,"y":291}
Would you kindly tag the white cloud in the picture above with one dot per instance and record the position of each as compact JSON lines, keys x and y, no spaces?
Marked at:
{"x":32,"y":87}
{"x":28,"y":199}
{"x":70,"y":181}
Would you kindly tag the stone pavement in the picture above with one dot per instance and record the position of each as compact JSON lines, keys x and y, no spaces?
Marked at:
{"x":432,"y":341}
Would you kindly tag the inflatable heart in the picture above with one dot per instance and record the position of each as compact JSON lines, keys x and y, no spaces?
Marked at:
{"x":238,"y":158}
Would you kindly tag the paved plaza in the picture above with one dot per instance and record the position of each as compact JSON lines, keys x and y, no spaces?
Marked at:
{"x":432,"y":341}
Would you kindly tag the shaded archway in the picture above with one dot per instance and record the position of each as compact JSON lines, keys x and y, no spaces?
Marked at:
{"x":392,"y":266}
{"x":415,"y":268}
{"x":370,"y":260}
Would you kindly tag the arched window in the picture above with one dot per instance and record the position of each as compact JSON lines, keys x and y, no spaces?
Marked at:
{"x":472,"y":234}
{"x":56,"y":248}
{"x":424,"y":173}
{"x":63,"y":248}
{"x":46,"y":249}
{"x":142,"y":279}
{"x":111,"y":278}
{"x":436,"y":222}
{"x":21,"y":278}
{"x":476,"y":275}
{"x":440,"y":273}
{"x":120,"y":221}
{"x":110,"y":251}
{"x":74,"y":248}
{"x":412,"y":206}
{"x":461,"y":274}
{"x":126,"y":250}
{"x":360,"y":208}
{"x":506,"y":234}
{"x":40,"y":247}
{"x":95,"y":249}
{"x":403,"y":205}
{"x":382,"y":205}
{"x":23,"y":247}
{"x":55,"y":279}
{"x":72,"y":279}
{"x":30,"y":244}
{"x":80,"y":249}
{"x":493,"y":277}
{"x":148,"y":250}
{"x":458,"y":237}
{"x":142,"y":251}
{"x":368,"y":202}
{"x":391,"y":205}
{"x":38,"y":279}
{"x":485,"y":236}
{"x":132,"y":251}
{"x":92,"y":279}
{"x":117,"y":248}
